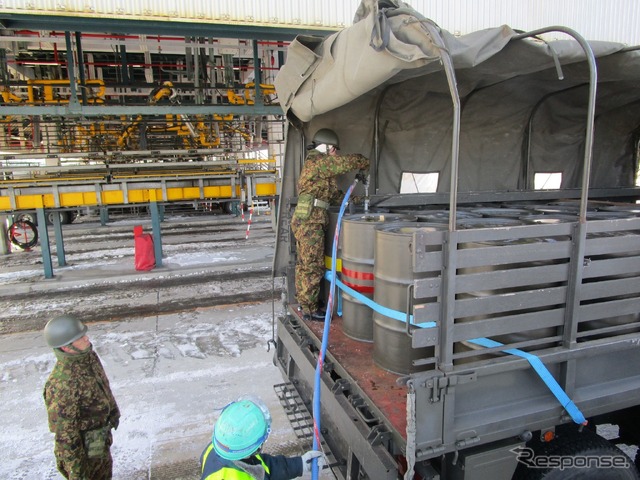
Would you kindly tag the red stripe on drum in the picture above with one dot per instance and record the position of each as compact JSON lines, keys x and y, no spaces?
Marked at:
{"x":358,"y":288}
{"x":357,"y":275}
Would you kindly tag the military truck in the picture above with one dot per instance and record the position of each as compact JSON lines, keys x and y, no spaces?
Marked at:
{"x":485,"y":322}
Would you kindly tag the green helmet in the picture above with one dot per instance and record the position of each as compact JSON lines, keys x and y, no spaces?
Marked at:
{"x":326,"y":136}
{"x":242,"y":428}
{"x":63,"y":330}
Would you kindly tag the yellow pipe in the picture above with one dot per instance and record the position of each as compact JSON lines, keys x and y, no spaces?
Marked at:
{"x":117,"y":197}
{"x":249,"y":160}
{"x":177,"y":175}
{"x":259,"y":171}
{"x":50,"y":179}
{"x":99,"y":177}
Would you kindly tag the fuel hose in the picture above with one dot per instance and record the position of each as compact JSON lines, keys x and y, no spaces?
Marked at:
{"x":325,"y":333}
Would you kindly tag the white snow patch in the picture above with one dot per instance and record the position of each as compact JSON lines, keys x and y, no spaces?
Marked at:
{"x":170,"y":377}
{"x":198,"y":258}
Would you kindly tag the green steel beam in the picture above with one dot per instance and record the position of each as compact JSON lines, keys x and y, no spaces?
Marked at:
{"x":101,"y":110}
{"x":45,"y":246}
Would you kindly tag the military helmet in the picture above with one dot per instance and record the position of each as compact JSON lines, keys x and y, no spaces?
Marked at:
{"x":242,"y":428}
{"x":63,"y":330}
{"x":326,"y":136}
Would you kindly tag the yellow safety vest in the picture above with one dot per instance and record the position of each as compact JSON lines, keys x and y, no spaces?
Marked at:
{"x":228,"y":473}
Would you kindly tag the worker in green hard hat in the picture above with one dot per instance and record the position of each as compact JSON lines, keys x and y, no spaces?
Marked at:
{"x":238,"y":436}
{"x":80,"y":405}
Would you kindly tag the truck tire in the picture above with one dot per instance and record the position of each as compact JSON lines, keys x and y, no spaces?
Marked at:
{"x":232,"y":207}
{"x":577,"y":445}
{"x":23,"y":234}
{"x":227,"y":207}
{"x":27,"y":216}
{"x":64,"y":217}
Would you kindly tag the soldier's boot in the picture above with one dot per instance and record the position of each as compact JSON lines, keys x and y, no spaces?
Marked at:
{"x":316,"y":316}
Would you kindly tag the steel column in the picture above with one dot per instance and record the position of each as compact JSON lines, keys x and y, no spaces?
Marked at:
{"x":57,"y":229}
{"x":157,"y":234}
{"x":4,"y":244}
{"x":44,"y":243}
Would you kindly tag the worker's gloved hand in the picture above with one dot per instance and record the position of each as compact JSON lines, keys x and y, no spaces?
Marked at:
{"x":309,"y":456}
{"x":361,"y":176}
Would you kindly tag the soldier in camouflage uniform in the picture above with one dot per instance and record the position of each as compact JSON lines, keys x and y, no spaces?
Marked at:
{"x":317,"y":189}
{"x":80,"y":405}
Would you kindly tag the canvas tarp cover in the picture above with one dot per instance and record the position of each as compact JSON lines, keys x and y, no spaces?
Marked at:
{"x":381,"y":85}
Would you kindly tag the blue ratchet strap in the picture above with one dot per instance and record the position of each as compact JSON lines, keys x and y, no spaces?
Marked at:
{"x":387,"y":312}
{"x":543,"y":373}
{"x":533,"y":360}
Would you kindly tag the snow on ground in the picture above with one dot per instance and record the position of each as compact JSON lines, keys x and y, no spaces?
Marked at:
{"x":171,"y":373}
{"x":171,"y":376}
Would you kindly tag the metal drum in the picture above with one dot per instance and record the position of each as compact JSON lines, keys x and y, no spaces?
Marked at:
{"x":393,"y":274}
{"x":614,"y":320}
{"x":334,"y":212}
{"x":501,"y":212}
{"x":633,"y":209}
{"x":418,"y":210}
{"x":484,"y":222}
{"x":514,"y":337}
{"x":329,"y":234}
{"x":522,"y":205}
{"x":357,"y":252}
{"x":328,"y":246}
{"x":442,"y":216}
{"x":574,"y":205}
{"x":562,"y":208}
{"x":605,"y":214}
{"x":542,"y":219}
{"x":562,"y":212}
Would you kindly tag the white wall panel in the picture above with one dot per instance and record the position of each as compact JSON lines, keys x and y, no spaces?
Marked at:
{"x":285,"y":13}
{"x":615,"y":20}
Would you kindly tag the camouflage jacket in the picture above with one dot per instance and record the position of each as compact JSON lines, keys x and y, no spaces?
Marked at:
{"x":318,"y":178}
{"x":78,"y":398}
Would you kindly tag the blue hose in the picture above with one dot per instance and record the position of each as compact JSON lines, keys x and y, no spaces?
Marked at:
{"x":325,"y":334}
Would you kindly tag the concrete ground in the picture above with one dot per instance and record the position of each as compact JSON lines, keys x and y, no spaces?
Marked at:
{"x":170,"y":372}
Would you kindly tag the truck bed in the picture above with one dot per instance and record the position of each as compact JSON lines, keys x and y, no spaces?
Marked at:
{"x":582,"y":323}
{"x":356,"y":358}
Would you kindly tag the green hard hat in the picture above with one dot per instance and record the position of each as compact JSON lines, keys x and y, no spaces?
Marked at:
{"x":326,"y":136}
{"x":242,"y":428}
{"x":63,"y":330}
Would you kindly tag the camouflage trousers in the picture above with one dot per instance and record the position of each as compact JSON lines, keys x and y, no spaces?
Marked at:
{"x":310,"y":262}
{"x":94,"y":468}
